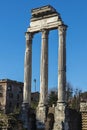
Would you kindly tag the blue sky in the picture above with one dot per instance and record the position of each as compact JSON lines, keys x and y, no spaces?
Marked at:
{"x":14,"y":20}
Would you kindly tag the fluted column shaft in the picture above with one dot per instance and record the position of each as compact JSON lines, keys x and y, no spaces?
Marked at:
{"x":28,"y":70}
{"x":44,"y":69}
{"x":62,"y":64}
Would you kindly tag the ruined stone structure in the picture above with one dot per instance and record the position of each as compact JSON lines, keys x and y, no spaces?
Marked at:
{"x":83,"y":110}
{"x":43,"y":20}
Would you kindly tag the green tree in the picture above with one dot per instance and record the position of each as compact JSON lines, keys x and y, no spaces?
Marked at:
{"x":75,"y":102}
{"x":52,"y":98}
{"x":69,"y":91}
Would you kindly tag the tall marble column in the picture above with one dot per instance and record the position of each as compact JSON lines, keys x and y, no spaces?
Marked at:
{"x":28,"y":69}
{"x":61,"y":116}
{"x":27,"y":82}
{"x":41,"y":110}
{"x":44,"y":69}
{"x":62,"y":64}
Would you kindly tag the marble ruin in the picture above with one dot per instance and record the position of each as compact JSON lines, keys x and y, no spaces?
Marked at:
{"x":43,"y":20}
{"x":83,"y":110}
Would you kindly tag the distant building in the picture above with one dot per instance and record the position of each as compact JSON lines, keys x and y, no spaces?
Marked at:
{"x":11,"y":95}
{"x":35,"y":97}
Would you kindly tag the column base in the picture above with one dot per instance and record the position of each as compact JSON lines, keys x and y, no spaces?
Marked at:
{"x":61,"y":119}
{"x":41,"y":114}
{"x":25,"y":115}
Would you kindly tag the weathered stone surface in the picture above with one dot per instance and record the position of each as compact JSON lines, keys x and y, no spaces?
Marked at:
{"x":41,"y":110}
{"x":45,"y":19}
{"x":47,"y":23}
{"x":24,"y":115}
{"x":83,"y":110}
{"x":83,"y":106}
{"x":84,"y":120}
{"x":28,"y":69}
{"x":61,"y":122}
{"x":44,"y":10}
{"x":62,"y":64}
{"x":50,"y":119}
{"x":44,"y":22}
{"x":41,"y":117}
{"x":44,"y":69}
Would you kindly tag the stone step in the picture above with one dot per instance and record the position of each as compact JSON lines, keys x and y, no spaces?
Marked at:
{"x":84,"y":121}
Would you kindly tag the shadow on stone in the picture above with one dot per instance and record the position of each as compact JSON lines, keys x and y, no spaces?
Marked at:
{"x":50,"y":121}
{"x":40,"y":125}
{"x":33,"y":121}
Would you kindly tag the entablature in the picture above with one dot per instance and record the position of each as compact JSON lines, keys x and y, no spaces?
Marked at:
{"x":45,"y":17}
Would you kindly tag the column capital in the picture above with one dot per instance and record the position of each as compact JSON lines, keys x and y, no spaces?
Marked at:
{"x":28,"y":35}
{"x":45,"y":33}
{"x":62,"y":29}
